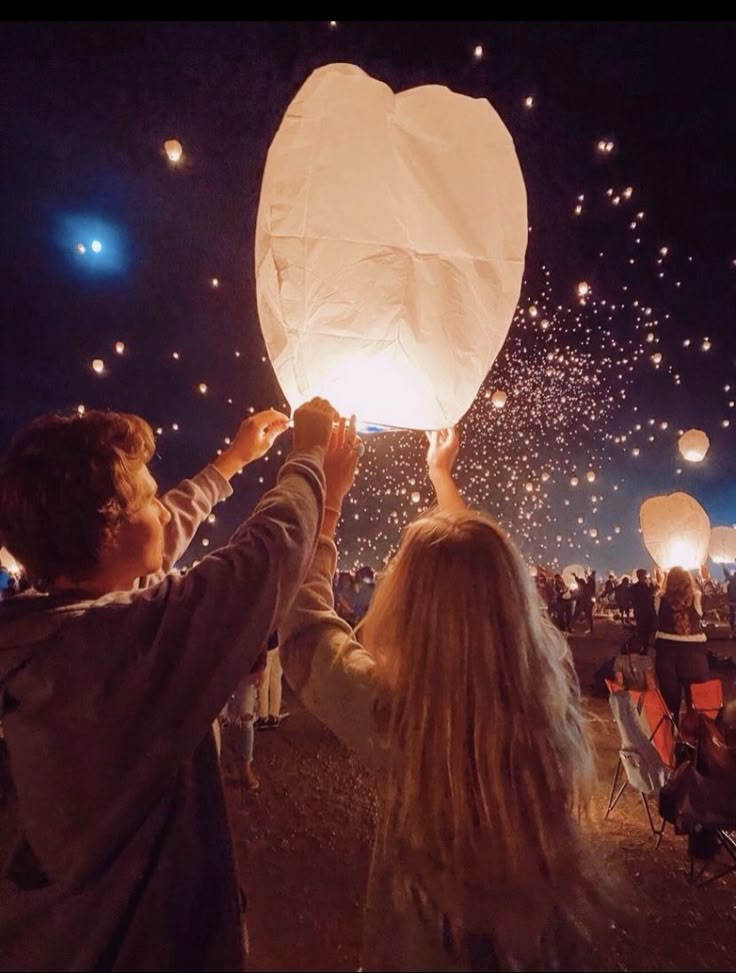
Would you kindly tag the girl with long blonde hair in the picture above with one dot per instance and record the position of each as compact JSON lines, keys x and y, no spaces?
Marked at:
{"x":464,"y":698}
{"x":680,"y":642}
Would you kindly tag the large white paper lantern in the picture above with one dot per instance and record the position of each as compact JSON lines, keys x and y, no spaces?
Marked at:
{"x":676,"y":531}
{"x":723,"y":545}
{"x":390,"y":246}
{"x":694,"y":445}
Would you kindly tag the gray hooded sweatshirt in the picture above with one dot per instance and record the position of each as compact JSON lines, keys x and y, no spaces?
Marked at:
{"x":116,"y":851}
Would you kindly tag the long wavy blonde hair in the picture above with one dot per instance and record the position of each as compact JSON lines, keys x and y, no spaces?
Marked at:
{"x":679,"y":590}
{"x":489,"y":761}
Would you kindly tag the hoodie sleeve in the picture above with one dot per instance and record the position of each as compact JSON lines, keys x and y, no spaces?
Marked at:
{"x":189,"y":503}
{"x":324,"y":664}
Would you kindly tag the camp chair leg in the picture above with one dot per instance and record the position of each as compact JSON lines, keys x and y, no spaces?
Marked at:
{"x":615,"y":795}
{"x":657,"y":831}
{"x":727,"y":842}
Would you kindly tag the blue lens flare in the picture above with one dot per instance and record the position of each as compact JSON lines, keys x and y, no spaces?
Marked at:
{"x":95,"y":246}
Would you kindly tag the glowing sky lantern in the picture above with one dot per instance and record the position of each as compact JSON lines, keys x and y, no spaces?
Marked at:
{"x":498,"y":399}
{"x":723,"y":545}
{"x":173,"y":149}
{"x":676,"y":531}
{"x":568,"y":573}
{"x":390,"y":246}
{"x":694,"y":444}
{"x":590,"y":476}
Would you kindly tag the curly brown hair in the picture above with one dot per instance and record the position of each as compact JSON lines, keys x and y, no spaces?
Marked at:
{"x":65,"y":484}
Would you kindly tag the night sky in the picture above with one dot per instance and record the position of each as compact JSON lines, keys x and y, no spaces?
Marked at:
{"x":86,"y":108}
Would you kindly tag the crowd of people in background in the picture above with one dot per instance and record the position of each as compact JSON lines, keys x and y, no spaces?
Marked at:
{"x":629,"y":600}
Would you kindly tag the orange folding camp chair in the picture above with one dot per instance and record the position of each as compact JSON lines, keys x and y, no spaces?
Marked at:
{"x":705,"y":699}
{"x":647,"y":754}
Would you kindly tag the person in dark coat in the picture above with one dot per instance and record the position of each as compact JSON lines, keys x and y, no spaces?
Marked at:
{"x":641,"y":596}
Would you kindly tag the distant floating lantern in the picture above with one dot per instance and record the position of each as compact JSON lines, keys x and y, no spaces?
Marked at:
{"x":676,"y":531}
{"x":119,"y":347}
{"x":498,"y":399}
{"x":723,"y":545}
{"x":98,"y":366}
{"x":416,"y":496}
{"x":478,"y":52}
{"x":173,"y":150}
{"x":529,"y":101}
{"x":657,"y":357}
{"x":81,"y":248}
{"x":590,"y":476}
{"x":593,"y":532}
{"x":215,"y":282}
{"x":694,"y":445}
{"x":706,"y":346}
{"x":583,"y":289}
{"x":202,"y":387}
{"x":574,"y":480}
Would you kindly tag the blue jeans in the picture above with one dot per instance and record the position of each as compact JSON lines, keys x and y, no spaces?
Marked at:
{"x":239,"y":711}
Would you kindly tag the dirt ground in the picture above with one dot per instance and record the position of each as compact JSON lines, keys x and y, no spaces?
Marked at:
{"x":304,"y":843}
